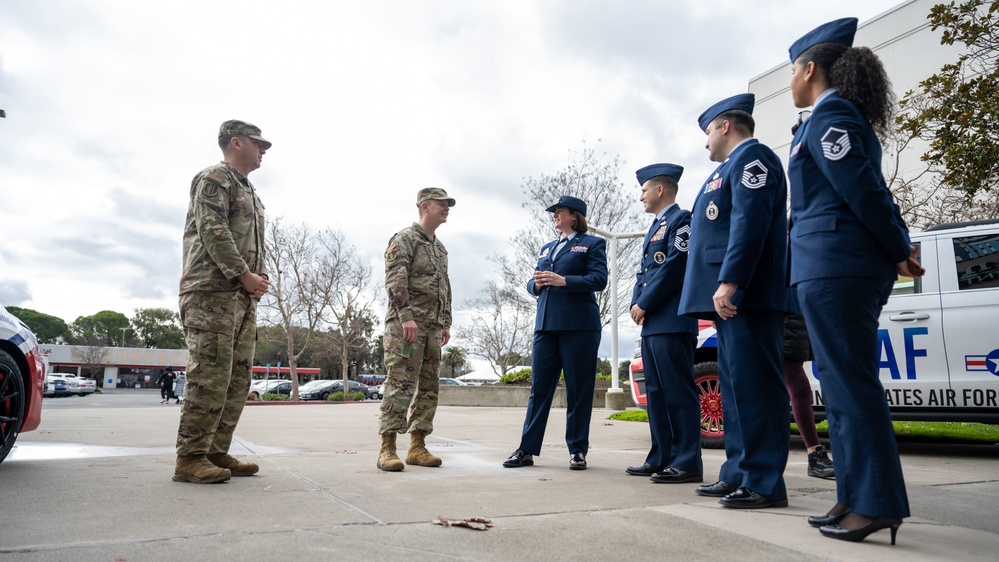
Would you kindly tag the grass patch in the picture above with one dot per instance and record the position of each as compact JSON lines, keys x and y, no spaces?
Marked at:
{"x":939,"y":432}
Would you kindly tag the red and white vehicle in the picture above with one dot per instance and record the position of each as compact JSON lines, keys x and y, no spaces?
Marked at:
{"x":22,"y":381}
{"x":939,"y":346}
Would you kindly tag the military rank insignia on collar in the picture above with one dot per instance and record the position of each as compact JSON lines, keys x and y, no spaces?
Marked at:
{"x":754,"y":175}
{"x":835,"y":144}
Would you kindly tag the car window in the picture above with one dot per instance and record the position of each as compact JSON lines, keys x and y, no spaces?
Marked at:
{"x":977,"y":261}
{"x":908,"y":285}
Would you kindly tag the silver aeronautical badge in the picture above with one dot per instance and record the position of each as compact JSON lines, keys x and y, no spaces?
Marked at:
{"x":659,"y":258}
{"x":712,"y":212}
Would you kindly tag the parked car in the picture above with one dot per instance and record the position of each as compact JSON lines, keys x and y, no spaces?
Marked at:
{"x":73,"y":384}
{"x":452,"y":382}
{"x":272,"y":386}
{"x":318,"y":389}
{"x":939,"y":356}
{"x":22,"y":381}
{"x":354,"y":387}
{"x":378,"y":392}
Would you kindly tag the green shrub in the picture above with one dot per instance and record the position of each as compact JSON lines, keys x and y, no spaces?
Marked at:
{"x":603,"y":377}
{"x":274,"y":396}
{"x":630,"y":415}
{"x":357,"y":396}
{"x":519,"y":376}
{"x":335,"y":397}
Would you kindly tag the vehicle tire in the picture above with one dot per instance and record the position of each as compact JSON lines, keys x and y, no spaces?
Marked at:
{"x":11,"y":403}
{"x":376,"y":396}
{"x":324,"y":396}
{"x":712,"y":422}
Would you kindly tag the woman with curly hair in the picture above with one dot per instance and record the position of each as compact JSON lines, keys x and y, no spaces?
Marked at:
{"x":848,"y":244}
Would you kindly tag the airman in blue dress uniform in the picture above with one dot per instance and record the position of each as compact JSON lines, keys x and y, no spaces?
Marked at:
{"x":668,"y":338}
{"x":848,"y":243}
{"x":566,"y":332}
{"x":736,"y":276}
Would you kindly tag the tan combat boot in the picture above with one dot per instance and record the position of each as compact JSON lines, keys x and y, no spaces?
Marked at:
{"x":236,"y":466}
{"x":418,"y":453}
{"x":197,"y":469}
{"x":387,"y":459}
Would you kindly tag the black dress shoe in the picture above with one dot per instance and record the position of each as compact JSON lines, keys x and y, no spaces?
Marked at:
{"x":719,"y":489}
{"x":673,"y":475}
{"x":644,"y":470}
{"x":857,"y":535}
{"x":577,"y":461}
{"x":518,"y":459}
{"x":744,"y":498}
{"x":829,"y":518}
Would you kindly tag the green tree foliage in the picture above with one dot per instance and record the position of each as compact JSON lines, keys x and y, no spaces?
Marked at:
{"x":955,"y":109}
{"x":47,"y":328}
{"x":453,"y":360}
{"x":158,"y":328}
{"x":106,"y":328}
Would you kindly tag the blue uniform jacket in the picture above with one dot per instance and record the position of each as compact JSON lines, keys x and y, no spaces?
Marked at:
{"x":583,"y":263}
{"x":660,"y":279}
{"x":738,"y":234}
{"x":844,"y":222}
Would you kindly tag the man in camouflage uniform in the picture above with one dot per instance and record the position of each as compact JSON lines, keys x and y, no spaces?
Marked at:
{"x":223,"y":277}
{"x":417,"y":325}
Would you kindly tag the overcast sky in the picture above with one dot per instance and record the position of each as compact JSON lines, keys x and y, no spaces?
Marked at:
{"x":113,"y":106}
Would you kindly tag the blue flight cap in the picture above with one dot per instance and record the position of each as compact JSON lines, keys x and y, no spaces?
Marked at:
{"x":569,"y":202}
{"x":837,"y":31}
{"x":742,"y":102}
{"x":653,"y":170}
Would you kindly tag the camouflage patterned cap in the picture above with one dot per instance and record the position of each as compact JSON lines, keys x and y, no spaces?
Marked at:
{"x":432,"y":193}
{"x":234,"y":127}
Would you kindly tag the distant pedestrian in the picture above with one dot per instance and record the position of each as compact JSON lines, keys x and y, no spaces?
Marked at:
{"x":224,"y":275}
{"x":179,"y":386}
{"x":166,"y":380}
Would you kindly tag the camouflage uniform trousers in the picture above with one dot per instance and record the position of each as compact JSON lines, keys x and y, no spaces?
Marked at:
{"x":221,"y":332}
{"x":412,"y":382}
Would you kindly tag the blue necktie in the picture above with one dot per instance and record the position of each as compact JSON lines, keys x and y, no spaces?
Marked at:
{"x":559,"y":246}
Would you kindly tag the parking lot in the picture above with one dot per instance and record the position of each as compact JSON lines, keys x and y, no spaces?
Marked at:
{"x":93,"y":483}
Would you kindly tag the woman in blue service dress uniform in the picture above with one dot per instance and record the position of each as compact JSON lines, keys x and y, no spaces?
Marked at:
{"x":566,"y":332}
{"x":848,"y":244}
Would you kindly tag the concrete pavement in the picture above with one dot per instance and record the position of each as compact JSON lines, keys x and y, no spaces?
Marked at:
{"x":94,"y":484}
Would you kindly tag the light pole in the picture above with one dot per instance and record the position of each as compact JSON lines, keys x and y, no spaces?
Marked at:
{"x":123,"y":336}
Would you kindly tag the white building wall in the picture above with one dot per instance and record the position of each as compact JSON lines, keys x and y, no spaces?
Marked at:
{"x":909,"y":50}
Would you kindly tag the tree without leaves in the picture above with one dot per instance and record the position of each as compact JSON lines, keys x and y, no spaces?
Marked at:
{"x":955,"y":109}
{"x":316,"y":280}
{"x":47,"y":328}
{"x":158,"y":328}
{"x":594,"y":179}
{"x":93,"y":358}
{"x":502,"y":326}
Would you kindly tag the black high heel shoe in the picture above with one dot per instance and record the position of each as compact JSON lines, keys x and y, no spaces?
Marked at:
{"x":828,"y":518}
{"x":857,"y":535}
